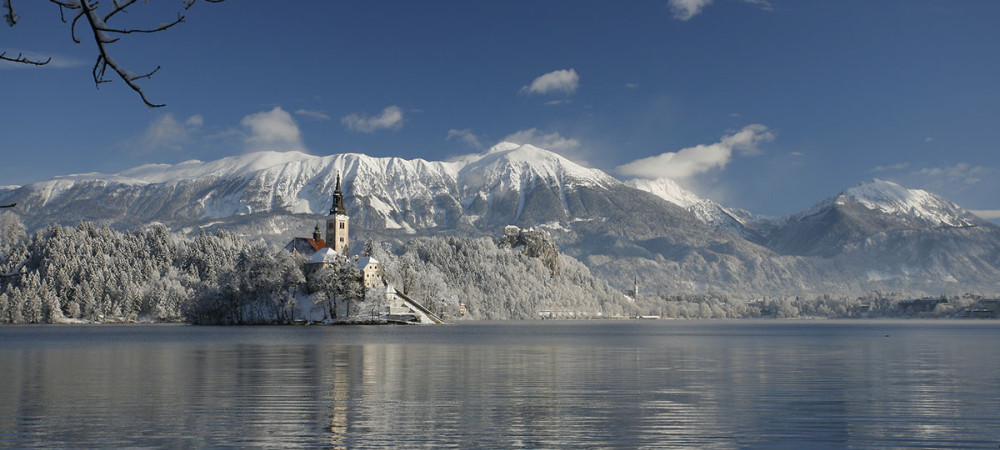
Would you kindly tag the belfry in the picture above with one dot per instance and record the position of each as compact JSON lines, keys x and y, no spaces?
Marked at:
{"x":338,"y":223}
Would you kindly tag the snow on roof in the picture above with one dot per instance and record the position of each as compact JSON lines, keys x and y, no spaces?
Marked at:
{"x":325,"y":256}
{"x":364,"y":261}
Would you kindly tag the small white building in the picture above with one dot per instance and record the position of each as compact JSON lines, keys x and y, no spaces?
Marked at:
{"x":371,"y":271}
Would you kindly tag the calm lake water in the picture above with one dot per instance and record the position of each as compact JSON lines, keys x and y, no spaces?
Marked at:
{"x":534,"y":384}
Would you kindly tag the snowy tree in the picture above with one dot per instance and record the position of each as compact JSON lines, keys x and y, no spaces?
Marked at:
{"x":12,"y":252}
{"x":369,"y":248}
{"x":337,"y":283}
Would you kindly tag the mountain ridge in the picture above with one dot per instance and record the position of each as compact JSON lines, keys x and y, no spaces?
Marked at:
{"x":875,"y":235}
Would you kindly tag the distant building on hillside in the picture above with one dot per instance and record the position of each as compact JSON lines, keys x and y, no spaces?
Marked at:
{"x":921,"y":304}
{"x":633,"y":294}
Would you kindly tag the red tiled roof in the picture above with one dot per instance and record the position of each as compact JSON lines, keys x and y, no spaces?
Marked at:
{"x":316,"y":245}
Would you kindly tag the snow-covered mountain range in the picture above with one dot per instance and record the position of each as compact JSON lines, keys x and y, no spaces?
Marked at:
{"x":876,"y":235}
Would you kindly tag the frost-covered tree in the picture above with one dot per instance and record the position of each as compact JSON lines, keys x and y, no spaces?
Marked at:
{"x":335,"y":285}
{"x":494,"y":282}
{"x":12,"y":252}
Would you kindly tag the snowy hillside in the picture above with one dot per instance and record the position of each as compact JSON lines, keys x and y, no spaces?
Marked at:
{"x":739,"y":221}
{"x":503,"y":185}
{"x":891,"y":198}
{"x":845,"y":221}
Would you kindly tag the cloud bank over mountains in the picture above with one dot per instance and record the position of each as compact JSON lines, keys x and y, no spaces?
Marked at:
{"x":691,"y":161}
{"x":274,"y":129}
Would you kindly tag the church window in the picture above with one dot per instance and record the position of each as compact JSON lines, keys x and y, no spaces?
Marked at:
{"x":341,"y":225}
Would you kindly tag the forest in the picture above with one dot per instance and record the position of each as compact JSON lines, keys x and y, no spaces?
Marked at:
{"x":91,"y":273}
{"x":95,"y":274}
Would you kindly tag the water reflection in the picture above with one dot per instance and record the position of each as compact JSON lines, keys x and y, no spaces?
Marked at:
{"x":701,"y":384}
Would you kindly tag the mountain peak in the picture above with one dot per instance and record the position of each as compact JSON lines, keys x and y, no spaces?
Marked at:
{"x":668,"y":190}
{"x":511,"y":161}
{"x":503,"y":147}
{"x":891,"y":198}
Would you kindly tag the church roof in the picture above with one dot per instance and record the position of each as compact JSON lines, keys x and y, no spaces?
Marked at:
{"x":305,"y":246}
{"x":316,"y":245}
{"x":325,"y":256}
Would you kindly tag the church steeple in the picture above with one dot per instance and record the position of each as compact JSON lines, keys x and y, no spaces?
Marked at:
{"x":337,"y":223}
{"x":338,"y":200}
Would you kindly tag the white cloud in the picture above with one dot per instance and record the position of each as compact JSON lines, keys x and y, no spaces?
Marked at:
{"x":686,"y":9}
{"x":766,"y":5}
{"x":565,"y":81}
{"x":631,"y":85}
{"x":797,"y":154}
{"x":466,"y":136}
{"x":391,"y":118}
{"x":988,"y":214}
{"x":553,"y":141}
{"x":961,"y":172}
{"x":165,"y":133}
{"x":319,"y":115}
{"x":273,"y":130}
{"x":893,"y":167}
{"x":691,"y":161}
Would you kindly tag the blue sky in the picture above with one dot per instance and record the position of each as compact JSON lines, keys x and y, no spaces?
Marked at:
{"x":764,"y":105}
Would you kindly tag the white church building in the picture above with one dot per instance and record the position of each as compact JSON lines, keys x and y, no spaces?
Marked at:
{"x":400,"y":308}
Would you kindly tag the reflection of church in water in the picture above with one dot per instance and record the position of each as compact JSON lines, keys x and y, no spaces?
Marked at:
{"x":323,"y":253}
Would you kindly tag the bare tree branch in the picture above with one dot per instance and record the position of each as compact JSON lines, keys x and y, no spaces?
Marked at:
{"x":104,"y":60}
{"x":119,"y":7}
{"x":11,"y":16}
{"x":24,"y":59}
{"x":102,"y":34}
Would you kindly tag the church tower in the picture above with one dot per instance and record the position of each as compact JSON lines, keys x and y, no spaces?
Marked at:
{"x":337,"y":223}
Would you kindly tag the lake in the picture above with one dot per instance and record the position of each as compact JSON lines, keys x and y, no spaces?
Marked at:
{"x":718,"y":384}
